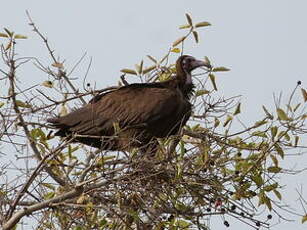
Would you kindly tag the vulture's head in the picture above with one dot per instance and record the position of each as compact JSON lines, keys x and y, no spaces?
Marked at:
{"x":187,"y":64}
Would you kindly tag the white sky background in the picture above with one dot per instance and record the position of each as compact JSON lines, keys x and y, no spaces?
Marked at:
{"x":263,"y":42}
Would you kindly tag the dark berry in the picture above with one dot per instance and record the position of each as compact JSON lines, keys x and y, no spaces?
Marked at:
{"x":242,"y":214}
{"x":258,"y":224}
{"x":270,"y":216}
{"x":208,"y":209}
{"x":299,"y":82}
{"x":230,"y":193}
{"x":237,"y":172}
{"x":223,"y":210}
{"x":88,"y":84}
{"x":233,"y":207}
{"x":226,"y":223}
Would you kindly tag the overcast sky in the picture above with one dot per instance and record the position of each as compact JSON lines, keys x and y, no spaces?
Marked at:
{"x":263,"y":42}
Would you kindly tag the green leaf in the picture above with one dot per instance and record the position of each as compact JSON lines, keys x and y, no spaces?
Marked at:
{"x":201,"y":92}
{"x":152,"y":59}
{"x":269,"y":115}
{"x":207,"y":61}
{"x":259,"y":134}
{"x":238,"y":109}
{"x":274,"y":159}
{"x":202,"y":24}
{"x":212,"y":79}
{"x":189,"y":19}
{"x":22,"y":104}
{"x":277,"y":194}
{"x":195,"y":34}
{"x":304,"y":219}
{"x":3,"y":35}
{"x":304,"y":93}
{"x":228,"y":119}
{"x":258,"y":180}
{"x":216,"y":122}
{"x":20,"y":36}
{"x":274,"y":169}
{"x":178,"y":41}
{"x":9,"y":32}
{"x":274,"y":130}
{"x":220,"y":69}
{"x":129,"y":71}
{"x":176,"y":50}
{"x":271,"y":187}
{"x":148,"y":69}
{"x":185,"y":26}
{"x":47,"y":185}
{"x":267,"y":202}
{"x":279,"y":150}
{"x":49,"y":195}
{"x":2,"y":104}
{"x":282,"y":115}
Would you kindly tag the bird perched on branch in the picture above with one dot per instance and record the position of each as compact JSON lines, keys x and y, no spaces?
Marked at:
{"x":133,"y":115}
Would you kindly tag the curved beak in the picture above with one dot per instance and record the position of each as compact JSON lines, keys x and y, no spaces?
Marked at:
{"x":198,"y":63}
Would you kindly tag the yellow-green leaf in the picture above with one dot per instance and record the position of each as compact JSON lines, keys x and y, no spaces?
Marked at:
{"x":282,"y":115}
{"x":269,"y":115}
{"x":152,"y":59}
{"x":22,"y":104}
{"x":259,"y":134}
{"x":277,"y":194}
{"x":228,"y":119}
{"x":274,"y":130}
{"x":129,"y":71}
{"x":49,"y":195}
{"x":47,"y":185}
{"x":258,"y":180}
{"x":304,"y":219}
{"x":274,"y":169}
{"x":3,"y":35}
{"x":238,"y":109}
{"x":20,"y":36}
{"x":216,"y":122}
{"x":48,"y":84}
{"x":220,"y":69}
{"x":178,"y":41}
{"x":185,"y":27}
{"x":148,"y":69}
{"x":2,"y":104}
{"x":207,"y":61}
{"x":202,"y":24}
{"x":268,"y":203}
{"x":212,"y":79}
{"x":269,"y":188}
{"x":195,"y":34}
{"x":304,"y":93}
{"x":279,"y":150}
{"x":9,"y":32}
{"x":201,"y":92}
{"x":189,"y":19}
{"x":176,"y":50}
{"x":274,"y":159}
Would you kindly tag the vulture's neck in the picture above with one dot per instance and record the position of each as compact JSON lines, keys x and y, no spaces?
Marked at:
{"x":185,"y":82}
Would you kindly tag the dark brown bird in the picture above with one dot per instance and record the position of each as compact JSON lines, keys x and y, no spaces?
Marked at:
{"x":133,"y":115}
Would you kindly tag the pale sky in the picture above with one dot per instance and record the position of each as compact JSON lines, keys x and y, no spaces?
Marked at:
{"x":264,"y":43}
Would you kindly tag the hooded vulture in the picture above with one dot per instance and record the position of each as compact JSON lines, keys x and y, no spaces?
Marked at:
{"x":133,"y":115}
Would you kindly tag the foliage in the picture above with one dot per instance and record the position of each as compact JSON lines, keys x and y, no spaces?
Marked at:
{"x":207,"y":170}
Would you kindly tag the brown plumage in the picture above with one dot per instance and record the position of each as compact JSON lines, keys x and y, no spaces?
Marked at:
{"x":133,"y":115}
